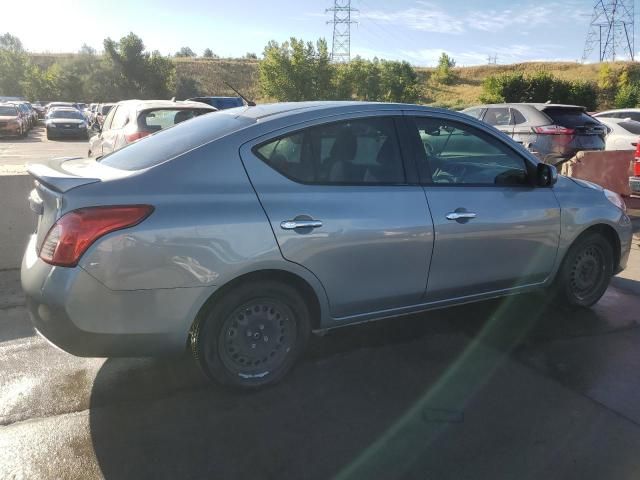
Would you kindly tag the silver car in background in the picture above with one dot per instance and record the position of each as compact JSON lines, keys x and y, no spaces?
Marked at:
{"x":240,"y":233}
{"x":553,"y":132}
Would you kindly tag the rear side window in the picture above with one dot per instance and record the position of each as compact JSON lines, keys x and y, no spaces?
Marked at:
{"x":498,"y":117}
{"x":569,"y":117}
{"x":155,"y":120}
{"x":356,"y":152}
{"x":169,"y":143}
{"x":120,"y":118}
{"x":631,"y":126}
{"x":8,"y":111}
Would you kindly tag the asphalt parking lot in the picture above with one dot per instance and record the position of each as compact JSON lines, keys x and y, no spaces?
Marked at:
{"x":15,"y":152}
{"x":502,"y":389}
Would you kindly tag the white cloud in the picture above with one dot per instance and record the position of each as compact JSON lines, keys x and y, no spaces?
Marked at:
{"x":428,"y":17}
{"x":425,"y":17}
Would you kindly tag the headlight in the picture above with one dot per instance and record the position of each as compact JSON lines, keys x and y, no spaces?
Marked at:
{"x":616,"y":199}
{"x":51,"y":125}
{"x":82,"y":125}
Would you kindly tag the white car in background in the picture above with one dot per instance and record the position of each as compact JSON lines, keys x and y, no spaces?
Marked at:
{"x":631,"y":113}
{"x":622,"y":133}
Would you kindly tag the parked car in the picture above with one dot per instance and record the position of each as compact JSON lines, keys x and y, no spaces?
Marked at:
{"x":622,"y":134}
{"x":132,"y":120}
{"x":26,"y":114}
{"x":631,"y":113}
{"x":102,"y":110}
{"x":12,"y":122}
{"x":59,"y":104}
{"x":220,"y":103}
{"x":553,"y":132}
{"x":65,"y":123}
{"x":243,"y":231}
{"x":634,"y":180}
{"x":39,"y":110}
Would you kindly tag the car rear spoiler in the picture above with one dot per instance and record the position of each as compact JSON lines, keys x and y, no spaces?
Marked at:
{"x":54,"y":177}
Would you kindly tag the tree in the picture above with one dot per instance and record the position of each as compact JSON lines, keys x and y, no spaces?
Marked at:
{"x":296,"y":71}
{"x":185,"y":52}
{"x":398,"y":82}
{"x":444,"y":73}
{"x":135,"y":72}
{"x":13,"y":65}
{"x":186,"y":87}
{"x":251,"y":56}
{"x":208,"y":53}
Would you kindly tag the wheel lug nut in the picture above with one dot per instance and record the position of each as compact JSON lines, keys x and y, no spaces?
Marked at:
{"x":265,"y":338}
{"x":249,"y":333}
{"x":253,"y":345}
{"x":261,"y":327}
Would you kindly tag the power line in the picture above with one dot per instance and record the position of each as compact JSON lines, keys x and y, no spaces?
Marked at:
{"x":341,"y":46}
{"x":612,"y":30}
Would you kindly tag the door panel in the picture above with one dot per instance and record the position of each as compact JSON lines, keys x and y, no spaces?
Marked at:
{"x":512,"y":240}
{"x":372,"y":243}
{"x":493,"y":230}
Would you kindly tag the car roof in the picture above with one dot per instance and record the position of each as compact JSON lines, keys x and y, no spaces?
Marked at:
{"x":616,"y":120}
{"x":65,"y":109}
{"x":617,"y":110}
{"x":150,"y":104}
{"x":537,"y":106}
{"x":263,"y":112}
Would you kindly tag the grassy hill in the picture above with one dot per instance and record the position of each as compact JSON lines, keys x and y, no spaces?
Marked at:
{"x":464,"y":91}
{"x":210,"y":74}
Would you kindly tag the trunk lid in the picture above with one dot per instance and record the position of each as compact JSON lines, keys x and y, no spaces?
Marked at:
{"x":55,"y":179}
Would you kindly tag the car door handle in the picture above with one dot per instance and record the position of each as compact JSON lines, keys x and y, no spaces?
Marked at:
{"x":294,"y":224}
{"x":460,"y":215}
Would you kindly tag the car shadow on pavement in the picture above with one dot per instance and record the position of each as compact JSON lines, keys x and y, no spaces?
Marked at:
{"x":162,"y":419}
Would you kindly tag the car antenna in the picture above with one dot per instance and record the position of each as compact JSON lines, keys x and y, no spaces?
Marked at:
{"x":249,"y":103}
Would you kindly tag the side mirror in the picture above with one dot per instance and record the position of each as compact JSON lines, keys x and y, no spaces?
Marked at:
{"x":96,"y":127}
{"x":546,"y":175}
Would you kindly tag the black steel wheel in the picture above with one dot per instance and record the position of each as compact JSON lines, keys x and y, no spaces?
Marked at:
{"x":252,"y":336}
{"x":586,"y":271}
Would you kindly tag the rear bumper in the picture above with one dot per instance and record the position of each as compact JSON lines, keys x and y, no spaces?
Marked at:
{"x":634,"y":185}
{"x":78,"y":314}
{"x":67,"y":132}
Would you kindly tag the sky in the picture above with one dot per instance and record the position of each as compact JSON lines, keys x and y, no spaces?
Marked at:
{"x":413,"y":30}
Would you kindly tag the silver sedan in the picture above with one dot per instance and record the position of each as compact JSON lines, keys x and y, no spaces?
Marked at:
{"x":240,"y":233}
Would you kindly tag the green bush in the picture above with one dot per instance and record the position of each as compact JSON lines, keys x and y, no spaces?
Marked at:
{"x":540,"y":87}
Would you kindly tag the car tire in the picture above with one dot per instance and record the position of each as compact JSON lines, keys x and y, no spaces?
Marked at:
{"x":49,"y":136}
{"x":252,"y":336}
{"x":585,"y":272}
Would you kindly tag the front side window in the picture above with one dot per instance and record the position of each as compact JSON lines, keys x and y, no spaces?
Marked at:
{"x":355,"y":152}
{"x":456,"y":154}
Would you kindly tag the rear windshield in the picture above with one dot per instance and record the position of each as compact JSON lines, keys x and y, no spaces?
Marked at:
{"x":8,"y":111}
{"x":66,"y":114}
{"x":631,"y":126}
{"x":155,"y":120}
{"x":169,"y":143}
{"x":570,"y":117}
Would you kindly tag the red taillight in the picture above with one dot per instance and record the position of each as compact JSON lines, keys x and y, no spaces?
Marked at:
{"x":75,"y":231}
{"x":554,"y":130}
{"x":137,"y":135}
{"x":636,"y":168}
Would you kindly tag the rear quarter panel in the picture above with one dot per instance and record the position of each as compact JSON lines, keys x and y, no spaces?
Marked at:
{"x":207,"y":228}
